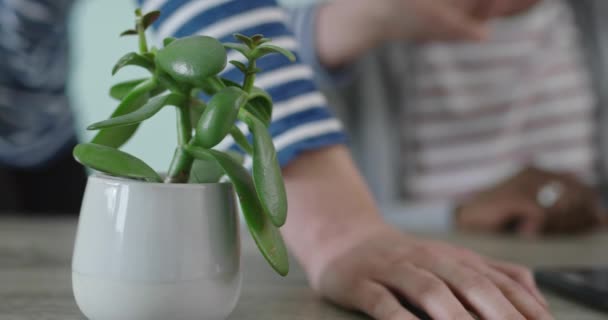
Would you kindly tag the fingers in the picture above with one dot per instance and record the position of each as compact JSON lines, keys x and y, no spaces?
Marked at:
{"x":533,"y":218}
{"x":514,"y":292}
{"x":379,"y":303}
{"x":476,"y":290}
{"x":517,"y":285}
{"x":576,"y":211}
{"x":425,"y":291}
{"x":520,"y":275}
{"x":502,"y":211}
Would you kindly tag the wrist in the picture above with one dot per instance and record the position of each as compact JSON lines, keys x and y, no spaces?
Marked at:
{"x":336,"y":241}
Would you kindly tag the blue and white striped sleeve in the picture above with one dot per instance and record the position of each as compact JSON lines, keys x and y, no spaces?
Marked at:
{"x":301,"y":119}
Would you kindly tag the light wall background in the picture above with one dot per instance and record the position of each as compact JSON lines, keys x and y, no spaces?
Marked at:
{"x":95,"y":48}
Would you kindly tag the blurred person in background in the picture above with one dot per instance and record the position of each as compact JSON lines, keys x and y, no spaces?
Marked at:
{"x":486,"y":115}
{"x":350,"y":255}
{"x":37,"y":134}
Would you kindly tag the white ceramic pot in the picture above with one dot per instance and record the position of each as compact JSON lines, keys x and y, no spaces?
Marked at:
{"x":152,"y":251}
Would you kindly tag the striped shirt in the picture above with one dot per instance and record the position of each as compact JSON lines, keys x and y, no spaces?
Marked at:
{"x":35,"y":118}
{"x":301,"y":120}
{"x":483,"y":111}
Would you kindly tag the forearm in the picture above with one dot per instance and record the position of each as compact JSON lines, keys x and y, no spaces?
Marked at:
{"x":328,"y":204}
{"x":345,"y":30}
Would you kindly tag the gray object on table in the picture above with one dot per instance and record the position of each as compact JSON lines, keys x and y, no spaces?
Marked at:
{"x":35,"y":273}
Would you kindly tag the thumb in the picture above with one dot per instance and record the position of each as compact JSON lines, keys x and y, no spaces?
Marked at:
{"x":532,"y":219}
{"x":455,"y":24}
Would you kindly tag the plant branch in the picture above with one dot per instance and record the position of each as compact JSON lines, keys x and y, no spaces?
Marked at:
{"x":250,"y":76}
{"x":213,"y":85}
{"x":241,"y":140}
{"x":184,"y":126}
{"x":141,"y":32}
{"x":182,"y":161}
{"x":179,"y":170}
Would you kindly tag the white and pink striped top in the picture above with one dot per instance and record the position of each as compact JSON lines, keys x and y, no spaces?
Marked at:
{"x":483,"y":111}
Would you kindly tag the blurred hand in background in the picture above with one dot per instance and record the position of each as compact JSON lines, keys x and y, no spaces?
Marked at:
{"x":348,"y":28}
{"x":510,"y":7}
{"x":517,"y":204}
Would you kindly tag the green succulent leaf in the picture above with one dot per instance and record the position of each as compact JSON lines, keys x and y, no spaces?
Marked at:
{"x":259,"y":102}
{"x":148,"y":110}
{"x":150,"y":55}
{"x":264,"y":232}
{"x":263,"y":40}
{"x":267,"y":49}
{"x":236,"y":156}
{"x":120,"y":90}
{"x":116,"y":137}
{"x":129,"y":32}
{"x":114,"y":162}
{"x":167,"y":41}
{"x":256,"y":38}
{"x":205,"y":171}
{"x":239,"y":65}
{"x":243,"y":49}
{"x":267,"y":173}
{"x":132,"y":58}
{"x":244,"y":39}
{"x":257,"y":110}
{"x":192,"y":59}
{"x":150,"y":17}
{"x":230,"y":83}
{"x":261,"y":94}
{"x":157,"y":91}
{"x":260,"y":105}
{"x":209,"y":171}
{"x":219,"y":116}
{"x":167,"y":82}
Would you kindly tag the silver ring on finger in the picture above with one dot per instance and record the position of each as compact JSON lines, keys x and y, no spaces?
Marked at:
{"x":549,"y":194}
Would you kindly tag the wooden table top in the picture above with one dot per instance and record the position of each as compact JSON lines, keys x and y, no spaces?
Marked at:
{"x":35,"y":273}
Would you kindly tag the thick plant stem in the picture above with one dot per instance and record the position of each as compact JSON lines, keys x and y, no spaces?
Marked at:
{"x":184,"y":126}
{"x":143,"y":43}
{"x":141,"y":32}
{"x":180,"y":167}
{"x":249,"y":77}
{"x":182,"y":162}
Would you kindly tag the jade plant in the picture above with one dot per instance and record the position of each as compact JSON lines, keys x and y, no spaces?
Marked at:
{"x":180,"y":72}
